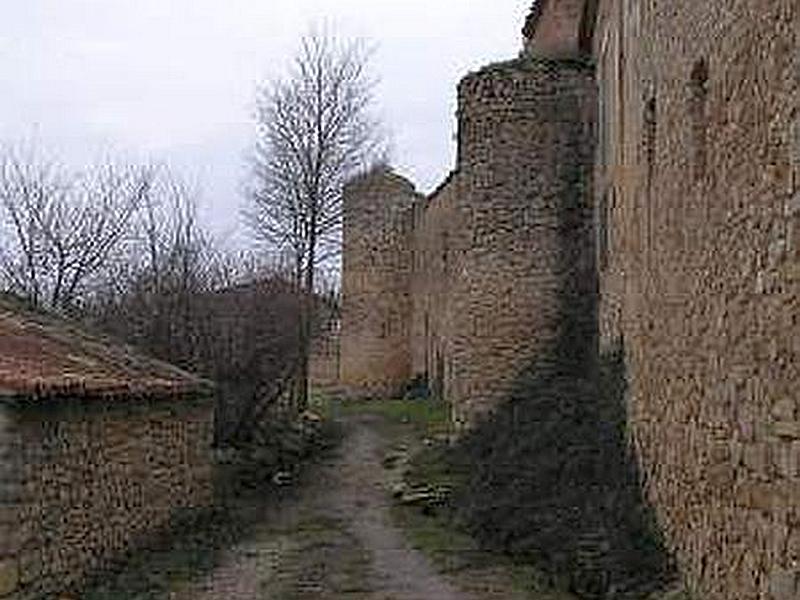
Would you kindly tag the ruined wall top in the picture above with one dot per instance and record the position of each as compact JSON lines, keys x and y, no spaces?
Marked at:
{"x":554,"y":28}
{"x":380,"y":176}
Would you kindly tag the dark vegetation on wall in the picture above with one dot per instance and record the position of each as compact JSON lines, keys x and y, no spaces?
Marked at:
{"x":550,"y":475}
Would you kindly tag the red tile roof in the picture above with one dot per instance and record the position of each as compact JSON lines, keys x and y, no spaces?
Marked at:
{"x":44,"y":356}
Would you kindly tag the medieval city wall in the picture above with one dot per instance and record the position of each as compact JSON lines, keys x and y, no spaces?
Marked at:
{"x":84,"y":482}
{"x":433,"y":269}
{"x":477,"y":279}
{"x":698,"y":189}
{"x":695,"y":236}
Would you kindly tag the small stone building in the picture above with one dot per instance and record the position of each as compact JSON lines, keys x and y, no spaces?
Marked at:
{"x":99,"y":447}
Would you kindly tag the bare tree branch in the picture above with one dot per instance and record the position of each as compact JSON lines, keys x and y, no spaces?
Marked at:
{"x":315,"y":131}
{"x":62,"y":230}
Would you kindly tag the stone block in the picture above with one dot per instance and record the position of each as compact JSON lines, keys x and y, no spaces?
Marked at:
{"x":756,"y":496}
{"x":784,"y":409}
{"x":783,"y":585}
{"x":787,"y":429}
{"x":793,"y":548}
{"x":756,"y":457}
{"x":30,"y":566}
{"x":9,"y":577}
{"x":785,"y":459}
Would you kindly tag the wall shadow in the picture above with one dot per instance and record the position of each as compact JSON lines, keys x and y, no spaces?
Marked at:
{"x":549,"y":475}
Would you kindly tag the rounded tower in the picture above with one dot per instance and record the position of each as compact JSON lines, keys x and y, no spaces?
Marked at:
{"x":376,"y":303}
{"x":524,"y":288}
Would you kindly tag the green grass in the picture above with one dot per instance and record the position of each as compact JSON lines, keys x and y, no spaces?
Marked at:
{"x":419,"y":427}
{"x":453,"y":551}
{"x":424,"y":417}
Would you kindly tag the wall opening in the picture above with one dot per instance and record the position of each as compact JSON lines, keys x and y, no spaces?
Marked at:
{"x":650,"y":133}
{"x":444,"y":251}
{"x":698,"y":113}
{"x":603,"y":233}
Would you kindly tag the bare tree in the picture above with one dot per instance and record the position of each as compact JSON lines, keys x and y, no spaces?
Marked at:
{"x":147,"y":297}
{"x":62,"y":230}
{"x":315,"y":131}
{"x":122,"y":248}
{"x":178,"y":296}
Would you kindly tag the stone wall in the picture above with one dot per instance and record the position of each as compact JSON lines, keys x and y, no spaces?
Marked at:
{"x":552,"y":28}
{"x":10,"y":491}
{"x":524,"y":258}
{"x":483,"y":278}
{"x":323,"y":365}
{"x":91,"y":480}
{"x":698,"y":194}
{"x":696,"y":241}
{"x":433,"y":270}
{"x":376,"y":303}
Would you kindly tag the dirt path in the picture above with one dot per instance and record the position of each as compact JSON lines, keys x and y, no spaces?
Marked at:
{"x":335,"y":540}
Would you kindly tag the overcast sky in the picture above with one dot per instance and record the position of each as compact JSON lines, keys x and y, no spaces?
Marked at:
{"x":175,"y":80}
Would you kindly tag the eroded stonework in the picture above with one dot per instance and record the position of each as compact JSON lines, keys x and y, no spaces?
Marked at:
{"x":697,"y":177}
{"x":376,"y":303}
{"x":643,"y":157}
{"x":466,"y":288}
{"x":92,"y":481}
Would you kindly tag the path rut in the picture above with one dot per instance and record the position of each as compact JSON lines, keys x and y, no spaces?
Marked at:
{"x":334,"y":540}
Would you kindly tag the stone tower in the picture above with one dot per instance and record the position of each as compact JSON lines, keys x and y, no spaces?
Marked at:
{"x":376,"y":304}
{"x":524,"y":282}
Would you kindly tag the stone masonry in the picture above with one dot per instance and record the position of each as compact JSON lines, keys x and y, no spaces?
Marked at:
{"x":525,"y":155}
{"x":467,"y":288}
{"x":433,"y":269}
{"x":697,"y":190}
{"x":645,"y":154}
{"x":98,"y":449}
{"x":376,"y":304}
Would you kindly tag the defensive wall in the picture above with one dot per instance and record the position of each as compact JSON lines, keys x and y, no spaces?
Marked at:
{"x":698,"y":199}
{"x":643,"y":157}
{"x":376,"y":302}
{"x":467,"y":287}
